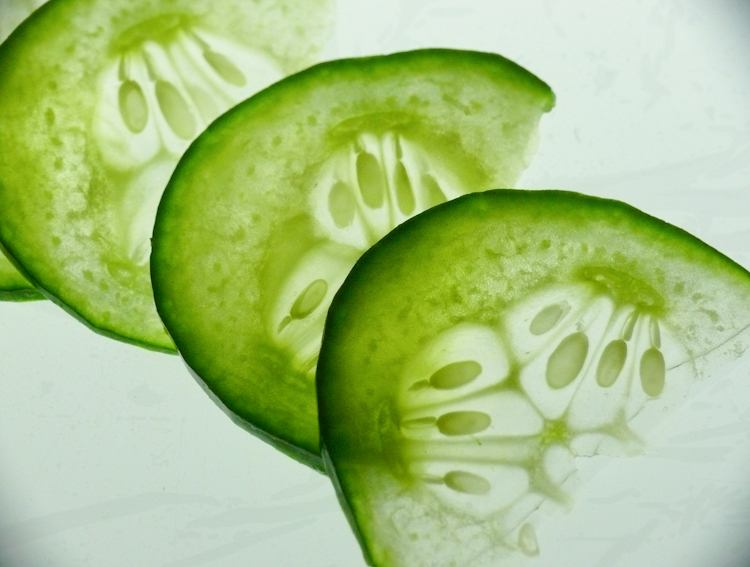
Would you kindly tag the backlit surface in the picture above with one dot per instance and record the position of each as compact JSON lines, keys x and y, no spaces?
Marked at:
{"x":112,"y":455}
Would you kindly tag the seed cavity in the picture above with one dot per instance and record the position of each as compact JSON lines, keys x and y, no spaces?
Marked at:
{"x":175,"y":110}
{"x":122,"y":69}
{"x":466,"y":482}
{"x":376,"y":181}
{"x":404,"y":192}
{"x":225,"y":68}
{"x":463,"y":422}
{"x":611,"y":363}
{"x":419,"y":386}
{"x":654,"y":331}
{"x":284,"y":322}
{"x":566,"y":362}
{"x":148,"y":60}
{"x":653,"y":372}
{"x":371,"y":180}
{"x":309,"y":299}
{"x":133,"y":106}
{"x":159,"y":28}
{"x":548,"y":318}
{"x":206,"y":104}
{"x":341,"y":204}
{"x":624,"y":288}
{"x":309,"y":365}
{"x":432,"y":479}
{"x":627,"y":331}
{"x":419,"y":423}
{"x":432,"y":193}
{"x":527,"y":541}
{"x":455,"y":375}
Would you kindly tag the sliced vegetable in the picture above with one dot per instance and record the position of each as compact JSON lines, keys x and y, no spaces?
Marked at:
{"x":98,"y":100}
{"x":273,"y":204}
{"x":480,"y":347}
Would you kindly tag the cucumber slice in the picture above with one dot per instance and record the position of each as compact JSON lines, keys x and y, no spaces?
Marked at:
{"x":477,"y":349}
{"x":98,"y":100}
{"x":274,"y":203}
{"x":13,"y":286}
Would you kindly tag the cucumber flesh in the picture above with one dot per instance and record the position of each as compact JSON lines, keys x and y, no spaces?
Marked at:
{"x":98,"y":101}
{"x":272,"y":205}
{"x":475,"y":351}
{"x":13,"y":286}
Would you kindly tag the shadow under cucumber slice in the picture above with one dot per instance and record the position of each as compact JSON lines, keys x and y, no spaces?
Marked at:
{"x":477,"y":349}
{"x":272,"y":205}
{"x":98,"y":100}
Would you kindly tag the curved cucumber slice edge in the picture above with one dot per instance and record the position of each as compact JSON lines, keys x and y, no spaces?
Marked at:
{"x":477,"y":349}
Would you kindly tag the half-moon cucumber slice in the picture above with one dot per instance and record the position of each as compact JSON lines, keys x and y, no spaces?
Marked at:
{"x":477,"y":349}
{"x":98,"y":100}
{"x":272,"y":205}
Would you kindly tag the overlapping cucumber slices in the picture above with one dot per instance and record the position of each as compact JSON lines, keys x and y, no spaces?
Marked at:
{"x":477,"y":349}
{"x":98,"y":100}
{"x":270,"y":208}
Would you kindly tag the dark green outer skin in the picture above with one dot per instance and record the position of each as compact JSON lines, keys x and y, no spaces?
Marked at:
{"x":49,"y":70}
{"x":249,"y":173}
{"x":21,"y":295}
{"x":464,"y":261}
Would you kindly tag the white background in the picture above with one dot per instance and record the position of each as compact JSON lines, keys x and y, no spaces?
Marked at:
{"x":112,"y":456}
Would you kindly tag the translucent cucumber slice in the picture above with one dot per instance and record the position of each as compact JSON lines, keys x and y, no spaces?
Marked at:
{"x":98,"y":100}
{"x":270,"y":208}
{"x":13,"y":286}
{"x":477,"y":349}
